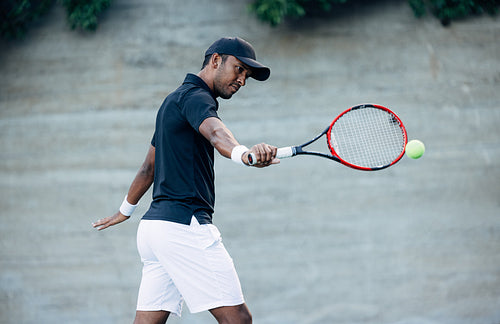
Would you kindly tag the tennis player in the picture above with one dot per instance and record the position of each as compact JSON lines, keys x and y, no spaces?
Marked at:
{"x":182,"y":252}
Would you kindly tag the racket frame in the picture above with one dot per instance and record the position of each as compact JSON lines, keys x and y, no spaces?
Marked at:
{"x":354,"y":166}
{"x":290,"y":151}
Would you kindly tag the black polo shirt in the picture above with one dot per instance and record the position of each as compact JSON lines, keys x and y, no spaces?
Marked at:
{"x":184,"y":159}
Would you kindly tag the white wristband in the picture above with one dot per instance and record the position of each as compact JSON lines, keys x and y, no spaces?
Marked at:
{"x":127,"y":208}
{"x":237,"y":152}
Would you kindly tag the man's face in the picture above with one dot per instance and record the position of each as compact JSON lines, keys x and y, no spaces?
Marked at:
{"x":230,"y":76}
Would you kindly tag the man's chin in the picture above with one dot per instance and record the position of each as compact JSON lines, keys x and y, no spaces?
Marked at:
{"x":226,"y":95}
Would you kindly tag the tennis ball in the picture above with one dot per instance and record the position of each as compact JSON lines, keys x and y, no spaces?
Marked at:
{"x":415,"y":149}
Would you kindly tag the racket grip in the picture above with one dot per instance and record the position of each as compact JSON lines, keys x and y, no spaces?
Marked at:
{"x":283,"y":152}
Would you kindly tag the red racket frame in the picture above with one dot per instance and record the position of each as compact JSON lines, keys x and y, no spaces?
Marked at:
{"x":332,"y":150}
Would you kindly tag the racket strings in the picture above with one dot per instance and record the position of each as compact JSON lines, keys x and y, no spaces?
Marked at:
{"x":367,"y":137}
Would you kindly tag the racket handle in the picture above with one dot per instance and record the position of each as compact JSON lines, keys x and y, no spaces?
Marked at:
{"x":283,"y":152}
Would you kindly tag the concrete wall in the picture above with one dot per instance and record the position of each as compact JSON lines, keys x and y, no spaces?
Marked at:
{"x":313,"y":241}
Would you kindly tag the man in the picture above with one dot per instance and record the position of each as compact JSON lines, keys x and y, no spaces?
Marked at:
{"x":183,"y":256}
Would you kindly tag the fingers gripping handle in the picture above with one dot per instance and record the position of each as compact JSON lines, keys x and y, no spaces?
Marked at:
{"x":283,"y":152}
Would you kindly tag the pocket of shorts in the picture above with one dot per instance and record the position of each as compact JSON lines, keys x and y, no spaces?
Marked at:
{"x":215,"y":232}
{"x":211,"y":235}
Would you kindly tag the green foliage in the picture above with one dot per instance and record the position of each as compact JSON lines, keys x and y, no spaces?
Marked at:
{"x":275,"y":11}
{"x":83,"y":13}
{"x":17,"y":15}
{"x":448,"y":10}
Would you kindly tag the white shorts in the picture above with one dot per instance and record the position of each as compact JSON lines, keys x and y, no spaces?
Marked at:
{"x":185,"y":263}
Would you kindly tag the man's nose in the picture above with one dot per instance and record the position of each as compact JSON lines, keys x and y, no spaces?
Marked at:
{"x":242,"y":80}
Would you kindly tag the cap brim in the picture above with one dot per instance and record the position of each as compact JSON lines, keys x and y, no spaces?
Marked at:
{"x":259,"y":71}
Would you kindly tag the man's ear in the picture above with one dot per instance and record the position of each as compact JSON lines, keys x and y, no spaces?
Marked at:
{"x":216,"y":60}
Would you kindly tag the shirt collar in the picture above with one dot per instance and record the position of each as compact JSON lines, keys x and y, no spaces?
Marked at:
{"x":196,"y":80}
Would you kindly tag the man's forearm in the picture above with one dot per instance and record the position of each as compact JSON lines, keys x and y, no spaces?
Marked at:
{"x":223,"y":140}
{"x":143,"y":179}
{"x":218,"y":135}
{"x":139,"y":186}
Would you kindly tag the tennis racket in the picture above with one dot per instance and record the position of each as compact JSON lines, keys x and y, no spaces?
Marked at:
{"x":365,"y":137}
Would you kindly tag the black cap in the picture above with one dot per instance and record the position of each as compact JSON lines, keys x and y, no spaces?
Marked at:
{"x":243,"y":51}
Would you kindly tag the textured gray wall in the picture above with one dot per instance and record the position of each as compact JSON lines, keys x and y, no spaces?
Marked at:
{"x":313,"y":241}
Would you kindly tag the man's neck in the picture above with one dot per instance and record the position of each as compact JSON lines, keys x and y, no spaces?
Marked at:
{"x":204,"y":75}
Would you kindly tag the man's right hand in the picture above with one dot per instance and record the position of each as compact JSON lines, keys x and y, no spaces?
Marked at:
{"x":265,"y":155}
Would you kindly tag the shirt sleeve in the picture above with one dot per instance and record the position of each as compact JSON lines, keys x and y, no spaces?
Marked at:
{"x":197,"y":106}
{"x":153,"y":140}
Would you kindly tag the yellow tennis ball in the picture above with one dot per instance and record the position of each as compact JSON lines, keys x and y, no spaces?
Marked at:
{"x":415,"y":149}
